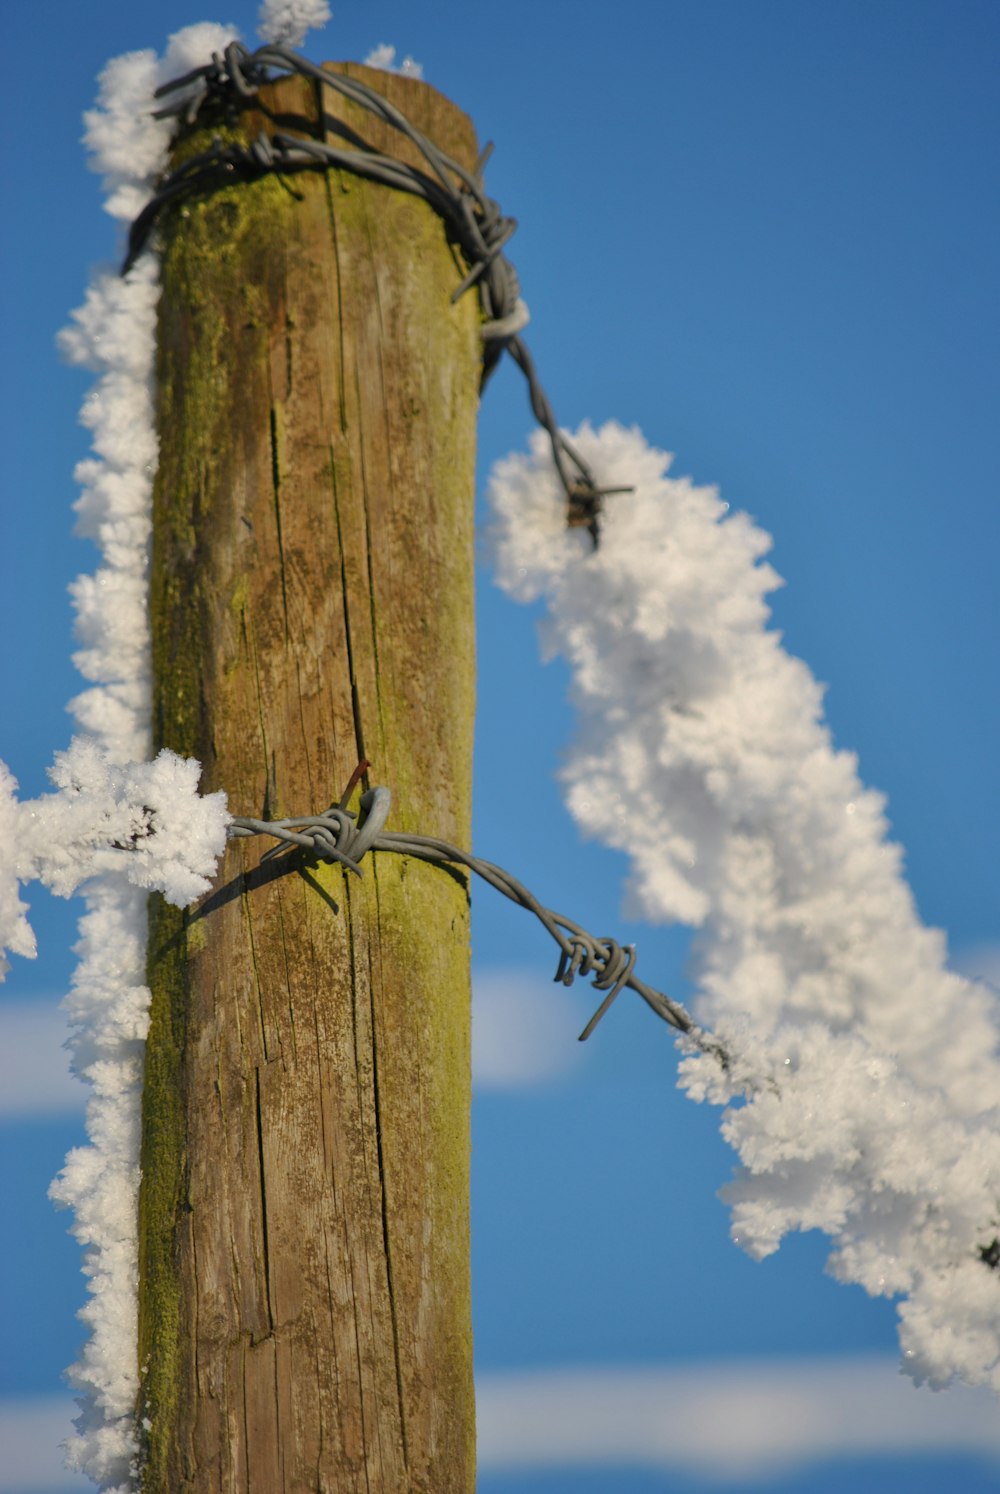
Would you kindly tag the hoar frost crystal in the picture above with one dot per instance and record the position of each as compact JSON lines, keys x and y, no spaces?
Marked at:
{"x":864,"y":1092}
{"x":118,"y":825}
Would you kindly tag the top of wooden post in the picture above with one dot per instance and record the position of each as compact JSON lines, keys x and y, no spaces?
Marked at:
{"x":290,"y":104}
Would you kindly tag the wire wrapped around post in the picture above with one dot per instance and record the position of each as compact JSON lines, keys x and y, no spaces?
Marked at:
{"x":231,"y":81}
{"x":337,"y":834}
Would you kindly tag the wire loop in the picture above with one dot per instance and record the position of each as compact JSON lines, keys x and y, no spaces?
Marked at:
{"x":232,"y":79}
{"x":335,"y":835}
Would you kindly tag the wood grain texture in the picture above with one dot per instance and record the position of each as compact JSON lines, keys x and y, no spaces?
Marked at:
{"x":304,"y":1317}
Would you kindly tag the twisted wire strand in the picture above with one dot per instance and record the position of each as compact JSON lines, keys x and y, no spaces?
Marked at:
{"x":456,"y":195}
{"x":336,"y":834}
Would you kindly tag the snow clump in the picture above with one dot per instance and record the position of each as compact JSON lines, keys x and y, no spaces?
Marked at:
{"x":286,"y":22}
{"x":864,"y":1092}
{"x":158,"y":836}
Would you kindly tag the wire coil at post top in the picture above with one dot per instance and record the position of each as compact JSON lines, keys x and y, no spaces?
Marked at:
{"x":233,"y":78}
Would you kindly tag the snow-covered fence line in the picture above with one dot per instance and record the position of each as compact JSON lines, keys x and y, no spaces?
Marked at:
{"x":863,"y":1093}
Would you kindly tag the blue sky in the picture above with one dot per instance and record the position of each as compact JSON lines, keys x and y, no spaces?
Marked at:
{"x":765,"y":233}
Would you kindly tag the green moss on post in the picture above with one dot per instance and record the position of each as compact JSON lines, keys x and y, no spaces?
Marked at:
{"x":304,"y":1297}
{"x":163,"y":1182}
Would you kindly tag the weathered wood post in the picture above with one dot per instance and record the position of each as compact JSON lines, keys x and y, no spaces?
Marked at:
{"x":304,"y":1315}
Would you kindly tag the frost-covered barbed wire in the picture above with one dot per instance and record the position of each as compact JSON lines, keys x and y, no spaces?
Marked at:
{"x":145,"y":824}
{"x":113,"y":831}
{"x":16,"y":934}
{"x":701,"y":752}
{"x":114,"y":335}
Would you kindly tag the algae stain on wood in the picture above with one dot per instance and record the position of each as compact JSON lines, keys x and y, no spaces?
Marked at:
{"x":304,"y":1319}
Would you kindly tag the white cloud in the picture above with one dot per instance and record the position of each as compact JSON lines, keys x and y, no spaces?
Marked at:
{"x":524,"y":1033}
{"x":524,"y":1028}
{"x":30,"y":1434}
{"x":34,"y":1066}
{"x":731,"y":1422}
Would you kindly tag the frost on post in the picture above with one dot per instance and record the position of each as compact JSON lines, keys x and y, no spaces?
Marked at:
{"x":864,"y":1096}
{"x":97,"y":830}
{"x":15,"y":931}
{"x":116,"y":825}
{"x":145,"y":822}
{"x":114,"y":832}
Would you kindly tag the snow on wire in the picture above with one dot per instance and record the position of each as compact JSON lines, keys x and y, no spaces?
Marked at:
{"x":148,"y":821}
{"x":863,"y":1089}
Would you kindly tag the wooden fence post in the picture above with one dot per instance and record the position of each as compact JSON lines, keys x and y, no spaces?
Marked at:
{"x":304,"y":1295}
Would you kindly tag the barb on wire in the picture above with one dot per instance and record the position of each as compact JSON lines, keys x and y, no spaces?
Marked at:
{"x":336,"y":834}
{"x":481,"y":231}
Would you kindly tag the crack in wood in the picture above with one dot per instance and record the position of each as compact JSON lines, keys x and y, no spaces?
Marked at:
{"x":276,"y":486}
{"x":265,"y":1242}
{"x":359,"y":735}
{"x":373,"y":984}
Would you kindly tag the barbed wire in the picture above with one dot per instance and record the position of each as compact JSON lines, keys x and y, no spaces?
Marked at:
{"x":232,"y":80}
{"x":337,"y":834}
